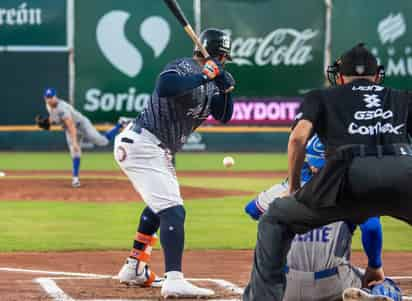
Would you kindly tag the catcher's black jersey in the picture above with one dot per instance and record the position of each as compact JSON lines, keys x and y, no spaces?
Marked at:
{"x":360,"y":112}
{"x":173,"y":119}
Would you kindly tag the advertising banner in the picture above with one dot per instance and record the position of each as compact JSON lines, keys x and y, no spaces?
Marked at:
{"x":120,"y":48}
{"x":263,"y":111}
{"x":24,"y":76}
{"x":278,"y":46}
{"x":33,"y":23}
{"x":385,"y":27}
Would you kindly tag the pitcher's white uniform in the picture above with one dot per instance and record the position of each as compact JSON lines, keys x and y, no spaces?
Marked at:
{"x":85,"y":129}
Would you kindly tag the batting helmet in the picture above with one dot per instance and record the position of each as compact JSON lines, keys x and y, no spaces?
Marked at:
{"x":216,"y":41}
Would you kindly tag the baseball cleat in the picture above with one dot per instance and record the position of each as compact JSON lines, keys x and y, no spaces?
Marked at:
{"x":146,"y":278}
{"x":175,"y":286}
{"x":356,"y":294}
{"x":75,"y":182}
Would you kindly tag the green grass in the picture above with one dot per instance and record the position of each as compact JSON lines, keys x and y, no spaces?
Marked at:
{"x":243,"y":184}
{"x":42,"y":226}
{"x":211,"y":223}
{"x":105,"y":161}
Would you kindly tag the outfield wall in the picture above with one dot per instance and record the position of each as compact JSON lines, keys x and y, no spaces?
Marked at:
{"x":262,"y":139}
{"x":104,"y":55}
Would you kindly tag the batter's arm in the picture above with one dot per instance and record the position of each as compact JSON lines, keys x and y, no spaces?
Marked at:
{"x":296,"y":152}
{"x":69,"y":123}
{"x":172,"y":84}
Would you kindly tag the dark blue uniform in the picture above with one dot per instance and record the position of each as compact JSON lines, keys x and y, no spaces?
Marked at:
{"x":173,"y":118}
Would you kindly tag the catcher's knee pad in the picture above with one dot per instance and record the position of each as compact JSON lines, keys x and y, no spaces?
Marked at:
{"x":147,"y":241}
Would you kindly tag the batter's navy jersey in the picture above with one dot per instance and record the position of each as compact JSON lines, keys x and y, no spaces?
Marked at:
{"x":173,"y":119}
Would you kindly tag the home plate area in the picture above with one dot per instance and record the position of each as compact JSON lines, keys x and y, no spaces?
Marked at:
{"x":87,"y":276}
{"x":100,"y":287}
{"x":93,"y":287}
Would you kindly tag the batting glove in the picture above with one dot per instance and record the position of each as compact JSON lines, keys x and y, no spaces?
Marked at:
{"x":212,"y":68}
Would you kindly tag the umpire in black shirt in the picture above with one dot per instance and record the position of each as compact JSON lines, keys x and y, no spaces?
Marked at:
{"x":365,"y":128}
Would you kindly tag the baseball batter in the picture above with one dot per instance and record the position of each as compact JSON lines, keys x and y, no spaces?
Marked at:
{"x":319,"y":261}
{"x":186,"y":93}
{"x":77,"y":128}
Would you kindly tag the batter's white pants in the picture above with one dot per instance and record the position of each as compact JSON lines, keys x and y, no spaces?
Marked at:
{"x":149,"y":167}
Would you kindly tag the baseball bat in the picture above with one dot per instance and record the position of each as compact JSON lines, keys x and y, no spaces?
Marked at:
{"x":180,"y":16}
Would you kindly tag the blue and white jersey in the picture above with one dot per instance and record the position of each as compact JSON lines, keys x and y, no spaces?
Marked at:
{"x":322,"y":248}
{"x":315,"y":156}
{"x":64,"y":111}
{"x":315,"y":152}
{"x":173,"y":119}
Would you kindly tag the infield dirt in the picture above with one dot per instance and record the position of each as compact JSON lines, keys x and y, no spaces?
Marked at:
{"x":233,"y":266}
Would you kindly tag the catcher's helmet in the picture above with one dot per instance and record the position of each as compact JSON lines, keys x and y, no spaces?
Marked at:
{"x":358,"y":61}
{"x":216,"y":41}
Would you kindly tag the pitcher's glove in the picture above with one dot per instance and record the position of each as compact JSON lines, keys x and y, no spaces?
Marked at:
{"x":42,"y":122}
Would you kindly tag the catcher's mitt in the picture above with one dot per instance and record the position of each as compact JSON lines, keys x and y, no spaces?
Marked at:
{"x":42,"y":122}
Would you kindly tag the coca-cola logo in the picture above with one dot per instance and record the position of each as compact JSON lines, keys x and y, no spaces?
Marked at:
{"x":285,"y":46}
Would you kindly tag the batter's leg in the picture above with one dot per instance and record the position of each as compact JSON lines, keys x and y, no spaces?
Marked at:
{"x":135,"y":270}
{"x":152,"y":174}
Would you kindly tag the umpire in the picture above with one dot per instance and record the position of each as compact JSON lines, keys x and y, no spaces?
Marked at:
{"x":365,"y":128}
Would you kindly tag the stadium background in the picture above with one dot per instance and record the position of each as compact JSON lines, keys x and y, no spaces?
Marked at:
{"x":103,"y":56}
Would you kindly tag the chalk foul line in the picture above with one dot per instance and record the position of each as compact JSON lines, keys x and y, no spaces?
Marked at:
{"x":50,"y":286}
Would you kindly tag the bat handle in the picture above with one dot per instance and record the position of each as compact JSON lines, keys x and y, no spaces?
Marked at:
{"x":196,"y":40}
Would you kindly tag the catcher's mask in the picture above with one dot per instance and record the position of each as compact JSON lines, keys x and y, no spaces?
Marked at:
{"x":358,"y":61}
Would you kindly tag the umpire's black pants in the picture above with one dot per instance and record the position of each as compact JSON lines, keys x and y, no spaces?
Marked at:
{"x":375,"y":187}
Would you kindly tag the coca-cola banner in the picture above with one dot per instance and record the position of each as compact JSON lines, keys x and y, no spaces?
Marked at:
{"x":278,"y":45}
{"x":387,"y":32}
{"x":263,"y":111}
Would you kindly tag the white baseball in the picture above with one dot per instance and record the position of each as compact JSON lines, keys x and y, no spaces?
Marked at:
{"x":228,"y":161}
{"x":2,"y":174}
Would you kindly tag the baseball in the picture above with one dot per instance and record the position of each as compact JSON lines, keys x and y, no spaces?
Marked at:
{"x":2,"y":174}
{"x":228,"y":162}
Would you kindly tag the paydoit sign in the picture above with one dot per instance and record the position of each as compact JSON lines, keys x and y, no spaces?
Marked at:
{"x":266,"y":111}
{"x":33,"y":23}
{"x":120,"y":51}
{"x":387,"y":33}
{"x":276,"y":50}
